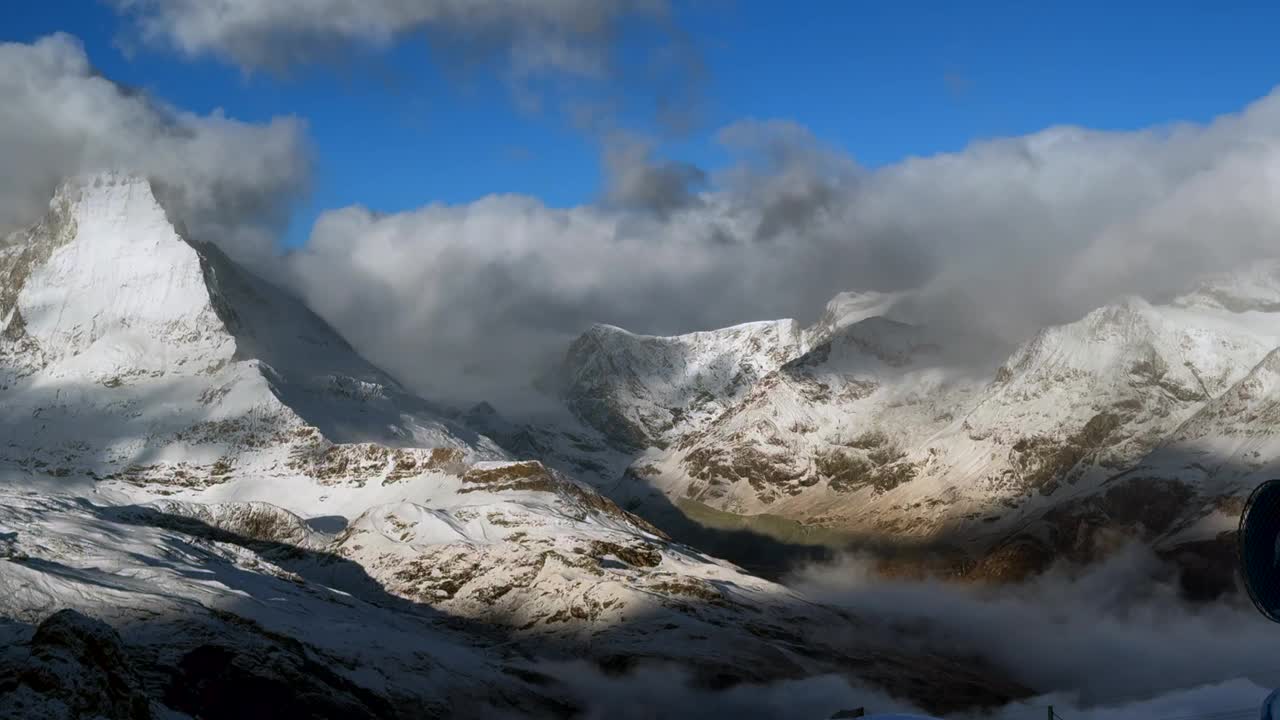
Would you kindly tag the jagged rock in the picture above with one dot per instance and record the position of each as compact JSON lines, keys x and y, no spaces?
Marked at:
{"x":74,"y":667}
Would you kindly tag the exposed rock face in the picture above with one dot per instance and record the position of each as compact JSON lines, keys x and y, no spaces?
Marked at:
{"x":73,"y":667}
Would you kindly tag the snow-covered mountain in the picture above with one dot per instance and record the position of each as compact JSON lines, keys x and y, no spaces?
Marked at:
{"x":644,"y":390}
{"x":122,"y":338}
{"x":865,"y":427}
{"x":219,"y":494}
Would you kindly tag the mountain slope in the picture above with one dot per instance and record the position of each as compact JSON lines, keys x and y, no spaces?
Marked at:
{"x":889,"y":432}
{"x":192,"y":457}
{"x":123,"y":338}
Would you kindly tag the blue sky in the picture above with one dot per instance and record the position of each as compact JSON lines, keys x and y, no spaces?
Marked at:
{"x":883,"y":81}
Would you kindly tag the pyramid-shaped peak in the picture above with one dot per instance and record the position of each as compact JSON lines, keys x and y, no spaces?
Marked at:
{"x":106,"y":296}
{"x":107,"y":269}
{"x":105,"y":188}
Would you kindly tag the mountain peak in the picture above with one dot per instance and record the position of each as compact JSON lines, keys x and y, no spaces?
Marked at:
{"x":107,"y":269}
{"x":109,"y":192}
{"x":105,"y":308}
{"x":100,"y":179}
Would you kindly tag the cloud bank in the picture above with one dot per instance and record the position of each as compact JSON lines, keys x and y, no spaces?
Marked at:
{"x":472,"y":301}
{"x":1113,"y":641}
{"x":999,"y":239}
{"x":228,"y":181}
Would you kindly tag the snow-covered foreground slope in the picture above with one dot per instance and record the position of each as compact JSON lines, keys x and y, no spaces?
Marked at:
{"x":192,"y":458}
{"x":176,"y":597}
{"x":1146,"y":419}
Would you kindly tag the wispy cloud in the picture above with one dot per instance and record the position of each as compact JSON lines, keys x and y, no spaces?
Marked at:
{"x":571,"y":36}
{"x":1116,"y":640}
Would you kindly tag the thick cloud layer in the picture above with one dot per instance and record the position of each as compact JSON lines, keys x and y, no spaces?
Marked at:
{"x":1115,"y":638}
{"x":1000,"y":239}
{"x":534,"y":35}
{"x":228,"y":181}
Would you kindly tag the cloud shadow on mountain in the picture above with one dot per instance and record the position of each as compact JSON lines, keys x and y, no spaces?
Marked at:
{"x":1154,"y":514}
{"x":755,"y":552}
{"x":766,"y":648}
{"x":310,"y":367}
{"x":1135,"y":499}
{"x":1081,"y":527}
{"x":218,"y":661}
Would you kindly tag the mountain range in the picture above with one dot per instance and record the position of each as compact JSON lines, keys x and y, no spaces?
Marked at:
{"x":1139,"y":422}
{"x":212,"y":506}
{"x":202,"y":486}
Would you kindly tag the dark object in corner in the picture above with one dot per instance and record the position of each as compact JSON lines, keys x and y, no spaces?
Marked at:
{"x":1259,"y":548}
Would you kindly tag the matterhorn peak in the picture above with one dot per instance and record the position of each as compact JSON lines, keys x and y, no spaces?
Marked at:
{"x":105,"y":304}
{"x":106,"y":178}
{"x":107,"y":270}
{"x":109,"y":192}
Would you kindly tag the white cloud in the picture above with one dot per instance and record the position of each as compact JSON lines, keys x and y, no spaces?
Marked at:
{"x":1000,"y":238}
{"x":532,"y":36}
{"x":469,"y":301}
{"x":228,"y":181}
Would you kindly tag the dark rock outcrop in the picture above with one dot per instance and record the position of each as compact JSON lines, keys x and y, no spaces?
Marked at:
{"x":73,"y":667}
